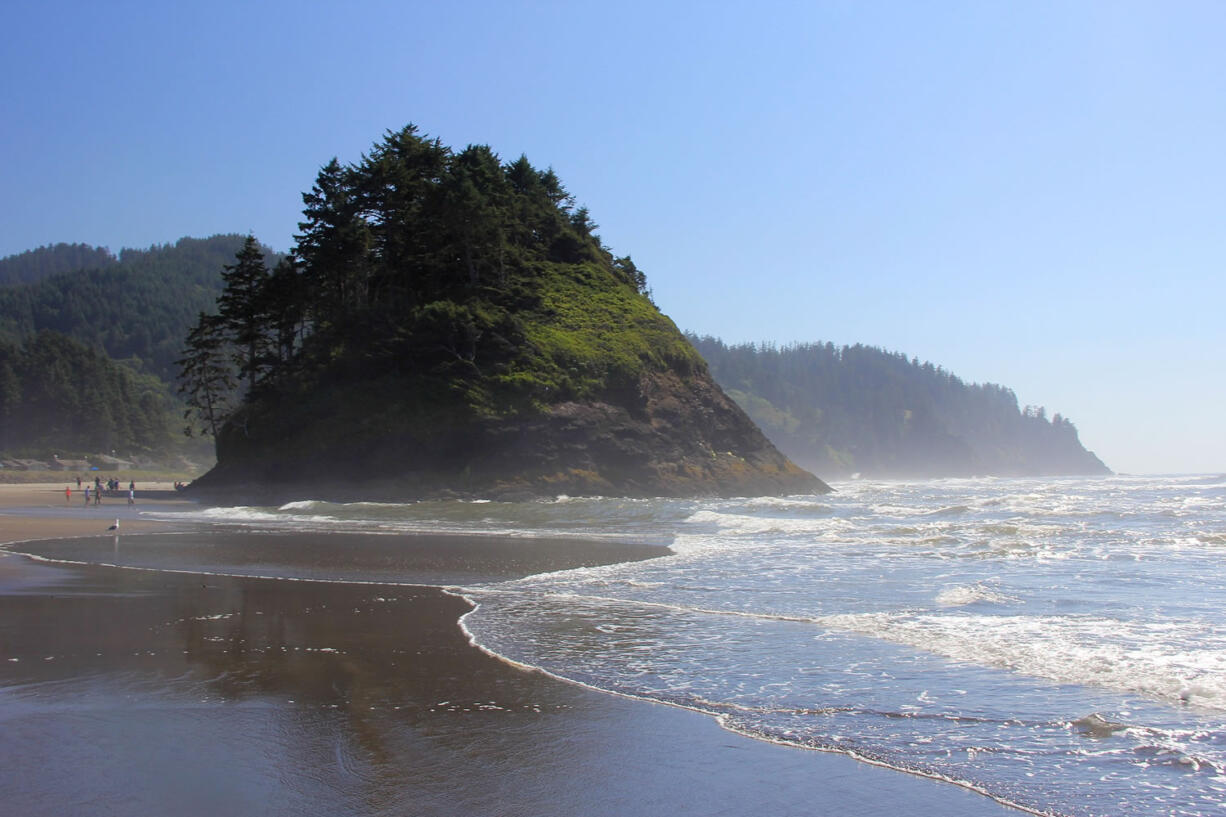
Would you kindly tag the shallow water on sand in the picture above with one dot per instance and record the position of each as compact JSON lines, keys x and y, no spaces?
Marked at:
{"x":148,"y":691}
{"x":1057,"y":644}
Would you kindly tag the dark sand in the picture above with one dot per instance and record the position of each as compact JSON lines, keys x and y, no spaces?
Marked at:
{"x":139,"y":692}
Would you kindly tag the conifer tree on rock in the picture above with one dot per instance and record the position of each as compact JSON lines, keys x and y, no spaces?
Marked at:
{"x":241,"y":310}
{"x":206,"y":377}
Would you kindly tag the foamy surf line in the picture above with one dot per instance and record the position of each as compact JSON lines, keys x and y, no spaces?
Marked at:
{"x":991,"y":641}
{"x":35,"y":557}
{"x":285,"y":518}
{"x":724,"y":718}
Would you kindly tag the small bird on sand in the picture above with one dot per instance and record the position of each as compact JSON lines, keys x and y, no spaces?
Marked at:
{"x":115,"y":526}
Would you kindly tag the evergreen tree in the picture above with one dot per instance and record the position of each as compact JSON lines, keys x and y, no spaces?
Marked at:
{"x":334,"y":245}
{"x":285,"y":305}
{"x":206,"y":377}
{"x":10,"y":392}
{"x":242,"y":311}
{"x":475,"y":195}
{"x":398,"y":187}
{"x":630,"y":273}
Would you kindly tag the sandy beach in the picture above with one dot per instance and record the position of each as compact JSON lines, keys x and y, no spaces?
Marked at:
{"x":173,"y":689}
{"x":42,"y":511}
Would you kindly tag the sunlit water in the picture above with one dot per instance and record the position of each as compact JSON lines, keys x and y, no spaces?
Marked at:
{"x":1056,"y":644}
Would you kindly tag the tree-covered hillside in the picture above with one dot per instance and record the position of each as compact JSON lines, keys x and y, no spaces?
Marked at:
{"x":34,"y":265}
{"x":137,"y":308}
{"x":853,"y":409}
{"x":61,"y":396}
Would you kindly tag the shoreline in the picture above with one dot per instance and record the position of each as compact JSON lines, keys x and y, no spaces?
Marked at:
{"x":31,"y":511}
{"x":381,"y":675}
{"x":969,"y":788}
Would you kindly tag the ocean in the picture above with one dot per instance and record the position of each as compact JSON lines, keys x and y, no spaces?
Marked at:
{"x":1058,"y":645}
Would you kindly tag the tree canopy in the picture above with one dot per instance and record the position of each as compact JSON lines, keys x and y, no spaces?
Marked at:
{"x":137,"y":309}
{"x":440,"y":272}
{"x":57,"y":394}
{"x":33,"y":266}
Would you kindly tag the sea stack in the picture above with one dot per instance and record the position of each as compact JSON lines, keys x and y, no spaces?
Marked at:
{"x":451,"y":326}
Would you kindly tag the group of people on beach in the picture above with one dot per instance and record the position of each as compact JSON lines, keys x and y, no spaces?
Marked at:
{"x":96,"y":489}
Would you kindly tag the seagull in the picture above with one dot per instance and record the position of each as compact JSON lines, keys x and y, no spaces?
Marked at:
{"x":115,"y":526}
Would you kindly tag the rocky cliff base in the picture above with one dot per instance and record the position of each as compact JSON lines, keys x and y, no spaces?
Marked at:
{"x":678,"y":436}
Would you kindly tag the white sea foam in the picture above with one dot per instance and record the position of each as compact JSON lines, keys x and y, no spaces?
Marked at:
{"x":301,"y":505}
{"x":750,"y":525}
{"x":806,"y":506}
{"x":246,"y":515}
{"x":1133,"y":657}
{"x":963,"y":595}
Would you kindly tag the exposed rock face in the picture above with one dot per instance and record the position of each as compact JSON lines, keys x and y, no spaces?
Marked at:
{"x":678,"y":436}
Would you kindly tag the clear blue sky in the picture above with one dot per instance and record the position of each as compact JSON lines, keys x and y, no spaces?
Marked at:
{"x":1030,"y":193}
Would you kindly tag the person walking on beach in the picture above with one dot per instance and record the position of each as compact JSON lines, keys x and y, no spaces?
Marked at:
{"x":87,"y":496}
{"x":68,"y":495}
{"x":131,"y":496}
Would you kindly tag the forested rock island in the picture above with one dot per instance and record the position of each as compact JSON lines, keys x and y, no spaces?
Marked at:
{"x":450,"y":325}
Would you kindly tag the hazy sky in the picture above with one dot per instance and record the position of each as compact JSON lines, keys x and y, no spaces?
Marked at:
{"x":1032,"y":194}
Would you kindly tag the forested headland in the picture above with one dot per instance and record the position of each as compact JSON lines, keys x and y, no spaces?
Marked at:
{"x":859,"y":409}
{"x":89,"y":343}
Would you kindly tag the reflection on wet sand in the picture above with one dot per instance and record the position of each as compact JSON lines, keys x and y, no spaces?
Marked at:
{"x":135,"y":692}
{"x":433,"y":559}
{"x":370,"y":690}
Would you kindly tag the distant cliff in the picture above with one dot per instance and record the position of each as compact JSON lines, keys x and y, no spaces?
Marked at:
{"x":450,"y":325}
{"x":858,"y":409}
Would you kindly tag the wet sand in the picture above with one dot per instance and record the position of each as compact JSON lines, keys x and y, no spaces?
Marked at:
{"x":126,"y":692}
